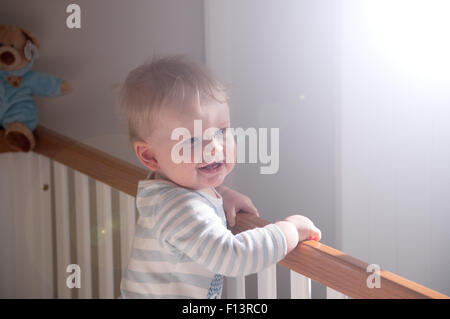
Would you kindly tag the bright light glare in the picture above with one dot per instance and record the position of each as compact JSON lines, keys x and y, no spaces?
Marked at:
{"x":414,"y":33}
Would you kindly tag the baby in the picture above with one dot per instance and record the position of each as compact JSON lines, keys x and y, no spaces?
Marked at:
{"x":182,"y":247}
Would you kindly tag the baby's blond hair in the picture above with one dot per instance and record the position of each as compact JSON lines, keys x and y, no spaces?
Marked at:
{"x":163,"y":82}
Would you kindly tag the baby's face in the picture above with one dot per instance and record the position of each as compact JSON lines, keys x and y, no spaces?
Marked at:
{"x":209,"y":172}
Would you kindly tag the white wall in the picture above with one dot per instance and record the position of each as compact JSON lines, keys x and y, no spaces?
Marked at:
{"x":365,"y":153}
{"x":394,"y":150}
{"x":277,"y":57}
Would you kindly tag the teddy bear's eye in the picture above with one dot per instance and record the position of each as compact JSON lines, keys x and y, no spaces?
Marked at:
{"x":1,"y":44}
{"x":11,"y":45}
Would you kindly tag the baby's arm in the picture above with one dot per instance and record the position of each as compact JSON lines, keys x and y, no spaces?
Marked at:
{"x":195,"y":230}
{"x":233,"y":202}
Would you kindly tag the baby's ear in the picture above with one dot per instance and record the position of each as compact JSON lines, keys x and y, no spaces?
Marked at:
{"x":145,"y":155}
{"x":31,"y":36}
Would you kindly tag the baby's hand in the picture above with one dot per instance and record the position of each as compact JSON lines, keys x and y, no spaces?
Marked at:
{"x":305,"y":227}
{"x":233,"y":202}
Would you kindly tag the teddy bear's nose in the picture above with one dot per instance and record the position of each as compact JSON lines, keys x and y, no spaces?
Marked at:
{"x":7,"y":58}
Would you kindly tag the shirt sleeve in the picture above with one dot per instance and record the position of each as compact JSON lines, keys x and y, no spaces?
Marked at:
{"x":44,"y":84}
{"x":191,"y":227}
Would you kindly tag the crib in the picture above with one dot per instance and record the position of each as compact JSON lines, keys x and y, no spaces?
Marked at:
{"x":74,"y":205}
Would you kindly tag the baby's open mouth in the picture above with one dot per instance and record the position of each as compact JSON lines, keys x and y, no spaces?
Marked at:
{"x":211,"y":168}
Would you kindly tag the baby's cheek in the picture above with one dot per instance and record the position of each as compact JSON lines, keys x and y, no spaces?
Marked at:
{"x":229,"y":167}
{"x":185,"y":175}
{"x":186,"y":169}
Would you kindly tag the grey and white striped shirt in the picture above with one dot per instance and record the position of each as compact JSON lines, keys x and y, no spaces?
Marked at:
{"x":182,"y":248}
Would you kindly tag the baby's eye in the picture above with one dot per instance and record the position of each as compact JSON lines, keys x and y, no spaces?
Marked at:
{"x":192,"y":141}
{"x":221,"y":131}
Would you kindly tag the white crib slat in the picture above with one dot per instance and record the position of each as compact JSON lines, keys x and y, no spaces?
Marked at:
{"x":333,"y":294}
{"x":32,"y":235}
{"x":83,"y":231}
{"x":62,"y":229}
{"x":235,"y":287}
{"x":105,"y":247}
{"x":45,"y":227}
{"x":127,"y":224}
{"x":32,"y":219}
{"x":300,"y":286}
{"x":267,"y":283}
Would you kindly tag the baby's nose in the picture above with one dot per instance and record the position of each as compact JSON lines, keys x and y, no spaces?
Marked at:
{"x":217,"y":149}
{"x":218,"y":144}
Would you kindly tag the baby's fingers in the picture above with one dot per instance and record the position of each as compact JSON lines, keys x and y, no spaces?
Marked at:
{"x":231,"y":216}
{"x":316,"y":235}
{"x":250,"y":208}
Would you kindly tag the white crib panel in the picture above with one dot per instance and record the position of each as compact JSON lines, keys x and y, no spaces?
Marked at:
{"x":333,"y":294}
{"x":7,"y":237}
{"x":24,"y":249}
{"x":43,"y":190}
{"x":83,"y":231}
{"x":267,"y":283}
{"x":104,"y":237}
{"x":300,"y":286}
{"x":235,"y":287}
{"x":62,"y":229}
{"x":127,"y":225}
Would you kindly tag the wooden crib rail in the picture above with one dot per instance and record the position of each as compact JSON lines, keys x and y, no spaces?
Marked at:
{"x":339,"y":271}
{"x":314,"y":260}
{"x":85,"y":159}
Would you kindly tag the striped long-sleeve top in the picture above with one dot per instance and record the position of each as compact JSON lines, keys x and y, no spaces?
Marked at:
{"x":182,"y":247}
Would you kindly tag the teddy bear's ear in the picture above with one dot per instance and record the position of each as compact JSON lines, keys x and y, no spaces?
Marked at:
{"x":30,"y":36}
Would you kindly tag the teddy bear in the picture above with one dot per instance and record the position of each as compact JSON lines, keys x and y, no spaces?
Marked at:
{"x":18,"y":83}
